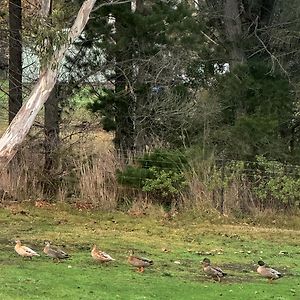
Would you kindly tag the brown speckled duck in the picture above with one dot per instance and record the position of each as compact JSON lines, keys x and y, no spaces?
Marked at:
{"x":140,"y":262}
{"x":100,"y":256}
{"x":215,"y":272}
{"x":55,"y":253}
{"x":267,"y":272}
{"x":24,"y":251}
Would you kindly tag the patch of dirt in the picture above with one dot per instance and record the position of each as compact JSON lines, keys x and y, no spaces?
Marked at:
{"x":80,"y":205}
{"x":243,"y":268}
{"x":230,"y":278}
{"x":43,"y":203}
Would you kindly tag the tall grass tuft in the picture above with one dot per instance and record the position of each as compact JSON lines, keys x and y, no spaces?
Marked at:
{"x":21,"y":180}
{"x":96,"y":180}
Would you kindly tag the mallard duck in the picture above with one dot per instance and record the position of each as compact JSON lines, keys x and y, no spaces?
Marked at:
{"x":55,"y":253}
{"x":215,"y":272}
{"x":24,"y":251}
{"x":267,"y":272}
{"x":100,"y":255}
{"x":140,"y":262}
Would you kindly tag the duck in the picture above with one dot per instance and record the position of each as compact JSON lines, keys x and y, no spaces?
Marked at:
{"x":100,"y":256}
{"x":24,"y":251}
{"x":140,"y":262}
{"x":56,"y":253}
{"x":215,"y":272}
{"x":267,"y":272}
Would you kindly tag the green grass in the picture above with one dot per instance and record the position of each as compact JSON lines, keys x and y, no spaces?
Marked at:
{"x":236,"y":248}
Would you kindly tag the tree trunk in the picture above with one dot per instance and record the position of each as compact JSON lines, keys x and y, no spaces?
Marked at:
{"x":233,"y":29}
{"x":124,"y":136}
{"x":46,"y":8}
{"x":139,"y":79}
{"x":15,"y":58}
{"x":51,"y":142}
{"x":140,"y":6}
{"x":51,"y":129}
{"x":51,"y":113}
{"x":19,"y":127}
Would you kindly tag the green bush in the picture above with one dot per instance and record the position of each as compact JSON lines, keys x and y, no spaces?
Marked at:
{"x":166,"y":183}
{"x":224,"y":173}
{"x":275,"y":181}
{"x":133,"y":176}
{"x":160,"y":173}
{"x":164,"y":159}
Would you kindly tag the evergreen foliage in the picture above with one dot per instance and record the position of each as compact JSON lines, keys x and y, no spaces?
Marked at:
{"x":160,"y":173}
{"x":258,"y":110}
{"x":144,"y":53}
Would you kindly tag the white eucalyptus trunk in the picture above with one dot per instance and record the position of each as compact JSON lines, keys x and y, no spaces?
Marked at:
{"x":21,"y":124}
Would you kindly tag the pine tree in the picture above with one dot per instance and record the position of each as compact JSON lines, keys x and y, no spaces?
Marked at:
{"x":146,"y":53}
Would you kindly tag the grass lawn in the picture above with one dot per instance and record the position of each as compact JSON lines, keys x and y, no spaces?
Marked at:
{"x":177,"y":248}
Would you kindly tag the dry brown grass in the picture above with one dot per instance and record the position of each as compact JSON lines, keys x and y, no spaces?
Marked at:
{"x":77,"y":174}
{"x":199,"y":196}
{"x":22,"y":179}
{"x":97,"y":183}
{"x":86,"y":176}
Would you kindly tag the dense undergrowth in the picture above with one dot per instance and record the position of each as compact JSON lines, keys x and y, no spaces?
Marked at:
{"x":104,"y":179}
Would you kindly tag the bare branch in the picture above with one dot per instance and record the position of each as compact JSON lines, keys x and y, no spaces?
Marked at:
{"x":273,"y":57}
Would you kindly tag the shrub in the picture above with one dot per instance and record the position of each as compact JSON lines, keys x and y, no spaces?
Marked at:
{"x":160,"y":173}
{"x":278,"y":181}
{"x":166,"y":183}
